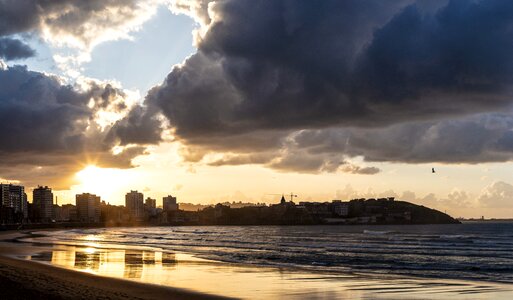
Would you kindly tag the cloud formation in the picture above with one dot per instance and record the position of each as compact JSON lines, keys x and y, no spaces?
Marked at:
{"x":71,"y":28}
{"x":479,"y":138}
{"x":408,"y":81}
{"x":77,"y":23}
{"x":11,"y":49}
{"x":296,"y":64}
{"x":497,"y":195}
{"x":50,"y":129}
{"x":291,"y":85}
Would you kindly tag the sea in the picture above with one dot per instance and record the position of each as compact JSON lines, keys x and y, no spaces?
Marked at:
{"x":473,"y":260}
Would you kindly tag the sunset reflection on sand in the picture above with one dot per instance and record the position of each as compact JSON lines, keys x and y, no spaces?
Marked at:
{"x":189,"y":272}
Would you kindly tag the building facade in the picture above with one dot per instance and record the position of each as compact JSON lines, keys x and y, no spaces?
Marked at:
{"x":151,"y":206}
{"x":169,"y":203}
{"x":134,"y":204}
{"x":14,"y":196}
{"x":69,"y":212}
{"x":43,"y":203}
{"x":340,"y":208}
{"x":88,"y":208}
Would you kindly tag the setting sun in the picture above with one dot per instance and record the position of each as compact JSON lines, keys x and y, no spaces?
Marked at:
{"x":104,"y":182}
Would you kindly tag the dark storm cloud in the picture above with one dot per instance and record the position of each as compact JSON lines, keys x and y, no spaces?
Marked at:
{"x":11,"y":49}
{"x":51,"y":126}
{"x":40,"y":113}
{"x":138,"y":127}
{"x":300,"y":161}
{"x":473,"y":139}
{"x":301,"y":85}
{"x":303,"y":64}
{"x":480,"y":138}
{"x":375,"y":79}
{"x":457,"y":60}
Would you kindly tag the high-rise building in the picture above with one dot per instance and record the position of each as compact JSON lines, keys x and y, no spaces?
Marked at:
{"x":43,"y":203}
{"x":13,"y":196}
{"x":88,"y":207}
{"x":13,"y":202}
{"x":169,"y":203}
{"x":134,"y":204}
{"x":150,"y":205}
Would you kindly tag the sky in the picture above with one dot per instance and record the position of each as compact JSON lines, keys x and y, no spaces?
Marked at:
{"x":237,"y":100}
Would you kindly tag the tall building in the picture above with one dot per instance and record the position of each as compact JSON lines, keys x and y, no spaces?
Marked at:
{"x":150,"y":206}
{"x":42,"y":199}
{"x":88,"y":208}
{"x":169,"y":203}
{"x":13,"y":196}
{"x":134,"y":204}
{"x":13,"y":200}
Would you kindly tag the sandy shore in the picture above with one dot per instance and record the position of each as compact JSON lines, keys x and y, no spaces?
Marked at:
{"x":21,"y":279}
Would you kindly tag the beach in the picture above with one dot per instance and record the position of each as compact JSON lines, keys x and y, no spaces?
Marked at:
{"x":23,"y":279}
{"x":318,"y":262}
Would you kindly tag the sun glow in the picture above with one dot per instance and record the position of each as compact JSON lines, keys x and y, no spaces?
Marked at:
{"x":109,"y":184}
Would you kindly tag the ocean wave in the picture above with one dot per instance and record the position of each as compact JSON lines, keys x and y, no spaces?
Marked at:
{"x":455,"y":236}
{"x":376,"y":232}
{"x":465,"y":250}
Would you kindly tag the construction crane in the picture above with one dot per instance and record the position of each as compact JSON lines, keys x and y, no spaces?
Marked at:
{"x":292,"y":195}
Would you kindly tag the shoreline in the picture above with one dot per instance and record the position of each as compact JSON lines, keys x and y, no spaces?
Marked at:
{"x":66,"y":226}
{"x":24,"y":279}
{"x":57,"y":269}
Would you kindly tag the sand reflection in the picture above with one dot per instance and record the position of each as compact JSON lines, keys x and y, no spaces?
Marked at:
{"x":88,"y":259}
{"x":186,"y":271}
{"x":109,"y":262}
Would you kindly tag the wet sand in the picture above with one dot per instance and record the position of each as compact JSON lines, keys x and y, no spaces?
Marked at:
{"x":22,"y":279}
{"x":91,"y":270}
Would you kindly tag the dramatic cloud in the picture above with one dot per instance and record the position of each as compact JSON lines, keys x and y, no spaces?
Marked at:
{"x":11,"y":49}
{"x":484,"y":137}
{"x":296,"y":64}
{"x":138,"y":127}
{"x":407,"y":81}
{"x":293,"y":85}
{"x":50,"y":129}
{"x":71,"y":28}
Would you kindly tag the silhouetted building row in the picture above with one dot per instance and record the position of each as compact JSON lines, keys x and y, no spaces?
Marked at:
{"x":15,"y":209}
{"x":89,"y":209}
